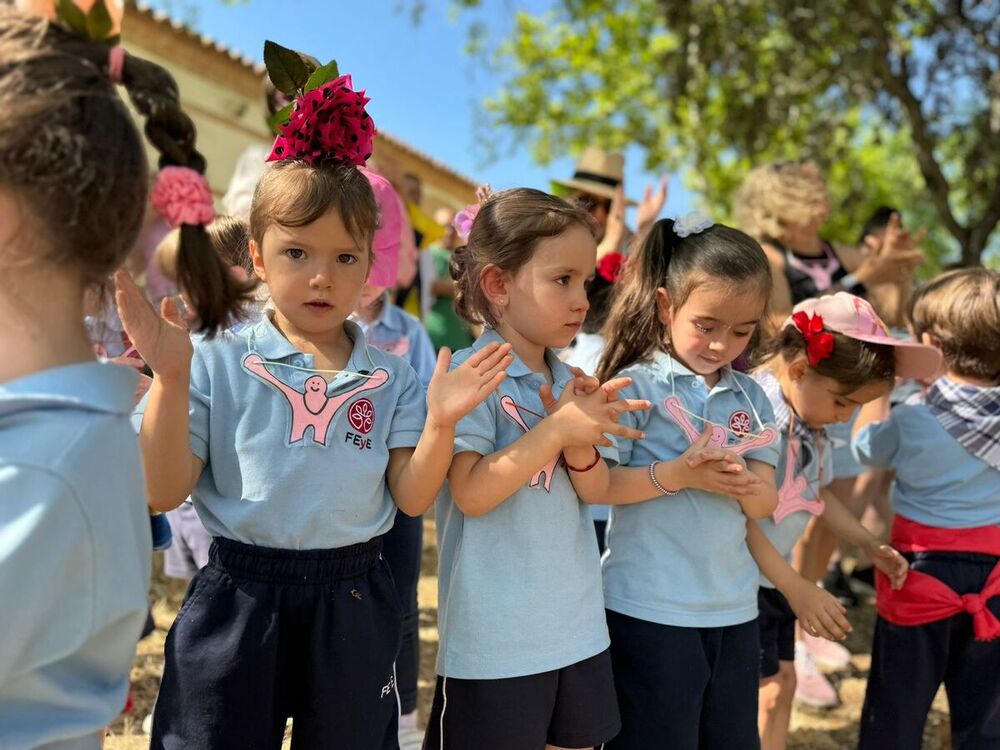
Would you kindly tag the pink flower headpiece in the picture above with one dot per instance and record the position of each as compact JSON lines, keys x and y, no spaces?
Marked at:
{"x":183,"y":196}
{"x":327,"y":117}
{"x":328,"y":121}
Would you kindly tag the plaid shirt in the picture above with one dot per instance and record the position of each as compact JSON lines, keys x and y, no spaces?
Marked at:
{"x":970,"y":414}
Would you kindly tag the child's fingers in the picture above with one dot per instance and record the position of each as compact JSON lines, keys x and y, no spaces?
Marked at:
{"x":828,"y":624}
{"x":604,"y":442}
{"x":545,"y":392}
{"x":616,"y":384}
{"x":631,"y":404}
{"x":488,"y":373}
{"x":620,"y":430}
{"x":492,"y":384}
{"x":489,"y":354}
{"x":443,"y":362}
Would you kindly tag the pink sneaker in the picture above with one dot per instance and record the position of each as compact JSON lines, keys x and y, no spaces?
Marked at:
{"x":812,"y":687}
{"x":827,"y":654}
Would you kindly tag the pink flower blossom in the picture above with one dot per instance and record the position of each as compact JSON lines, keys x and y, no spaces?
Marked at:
{"x":464,"y":220}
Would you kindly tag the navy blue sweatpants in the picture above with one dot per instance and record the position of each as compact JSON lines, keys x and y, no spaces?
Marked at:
{"x":909,"y":663}
{"x":402,"y":546}
{"x":685,"y":688}
{"x":267,"y":634}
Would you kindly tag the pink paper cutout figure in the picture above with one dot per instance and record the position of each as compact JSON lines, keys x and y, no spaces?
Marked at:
{"x":718,"y":440}
{"x":510,"y":409}
{"x":311,"y":407}
{"x":792,"y":493}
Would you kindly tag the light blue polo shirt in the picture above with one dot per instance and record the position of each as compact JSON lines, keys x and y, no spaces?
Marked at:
{"x":519,"y":588}
{"x":293,"y":461}
{"x":682,"y":559}
{"x":938,"y":482}
{"x":397,"y":332}
{"x":799,"y":476}
{"x":75,"y":553}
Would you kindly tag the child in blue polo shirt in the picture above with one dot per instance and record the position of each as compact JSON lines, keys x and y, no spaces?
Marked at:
{"x":680,"y":585}
{"x":391,"y":329}
{"x":942,"y":626}
{"x":296,"y":442}
{"x":74,"y":531}
{"x":832,"y":355}
{"x":523,"y":656}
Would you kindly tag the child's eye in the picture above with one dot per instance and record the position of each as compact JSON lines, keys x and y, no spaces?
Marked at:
{"x":347,"y":258}
{"x":295,"y":253}
{"x":742,"y":334}
{"x":840,"y":404}
{"x":703,"y":329}
{"x":563,"y":280}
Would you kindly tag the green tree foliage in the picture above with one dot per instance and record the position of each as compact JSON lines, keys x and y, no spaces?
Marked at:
{"x":899,"y":100}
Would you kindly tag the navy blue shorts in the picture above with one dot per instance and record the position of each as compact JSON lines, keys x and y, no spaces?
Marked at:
{"x":265,"y":634}
{"x":570,"y":707}
{"x":776,"y":623}
{"x":685,"y":688}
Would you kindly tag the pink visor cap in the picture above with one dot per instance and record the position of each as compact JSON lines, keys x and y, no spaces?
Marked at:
{"x":854,"y":317}
{"x":385,"y":247}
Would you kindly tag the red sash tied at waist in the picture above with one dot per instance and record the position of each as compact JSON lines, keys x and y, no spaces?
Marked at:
{"x":924,"y":598}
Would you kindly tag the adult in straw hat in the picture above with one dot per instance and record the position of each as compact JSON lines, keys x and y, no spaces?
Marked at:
{"x":598,"y":185}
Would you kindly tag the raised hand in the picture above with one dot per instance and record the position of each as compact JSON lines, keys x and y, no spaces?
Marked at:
{"x":889,"y":561}
{"x":897,"y":255}
{"x":585,"y":418}
{"x":453,"y":394}
{"x":651,"y":205}
{"x":717,"y":470}
{"x":162,"y":339}
{"x":818,"y":611}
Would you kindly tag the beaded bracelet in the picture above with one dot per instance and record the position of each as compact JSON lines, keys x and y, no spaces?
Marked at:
{"x":656,"y":482}
{"x":597,"y":458}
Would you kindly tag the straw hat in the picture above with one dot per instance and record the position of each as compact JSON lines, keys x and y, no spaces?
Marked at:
{"x":597,"y":173}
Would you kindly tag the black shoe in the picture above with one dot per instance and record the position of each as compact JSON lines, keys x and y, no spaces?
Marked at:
{"x":836,"y":583}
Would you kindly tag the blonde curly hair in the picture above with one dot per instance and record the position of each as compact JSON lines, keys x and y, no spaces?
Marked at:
{"x":773,"y":195}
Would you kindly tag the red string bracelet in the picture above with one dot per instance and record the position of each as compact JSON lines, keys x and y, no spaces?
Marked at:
{"x":597,"y":458}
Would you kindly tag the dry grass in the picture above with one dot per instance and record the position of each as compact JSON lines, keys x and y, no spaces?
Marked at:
{"x":834,"y":729}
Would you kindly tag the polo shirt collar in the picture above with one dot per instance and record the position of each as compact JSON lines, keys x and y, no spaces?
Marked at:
{"x":560,"y":372}
{"x":92,"y":386}
{"x":266,"y":340}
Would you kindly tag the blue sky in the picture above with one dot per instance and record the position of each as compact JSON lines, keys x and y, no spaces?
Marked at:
{"x":424,"y":88}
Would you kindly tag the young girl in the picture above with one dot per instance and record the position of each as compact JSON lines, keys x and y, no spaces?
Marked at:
{"x":679,"y":582}
{"x":74,"y":531}
{"x":294,"y":438}
{"x":393,"y":330}
{"x":942,"y":625}
{"x":523,"y":660}
{"x":832,"y":355}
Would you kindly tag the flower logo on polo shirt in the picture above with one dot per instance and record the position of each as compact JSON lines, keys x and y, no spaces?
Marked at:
{"x":740,"y":424}
{"x":361,"y":415}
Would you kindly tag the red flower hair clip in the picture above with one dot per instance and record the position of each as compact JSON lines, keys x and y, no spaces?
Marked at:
{"x":610,"y":267}
{"x":819,"y":343}
{"x":327,"y":117}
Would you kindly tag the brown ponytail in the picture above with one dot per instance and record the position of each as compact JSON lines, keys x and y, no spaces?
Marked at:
{"x":215,"y":293}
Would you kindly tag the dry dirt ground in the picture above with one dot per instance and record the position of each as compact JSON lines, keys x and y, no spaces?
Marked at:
{"x":834,"y":729}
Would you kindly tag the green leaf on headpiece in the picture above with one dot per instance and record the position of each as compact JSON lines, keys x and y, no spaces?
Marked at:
{"x":323,"y":74}
{"x":287,"y":69}
{"x":68,"y":12}
{"x":280,"y":118}
{"x":99,"y":22}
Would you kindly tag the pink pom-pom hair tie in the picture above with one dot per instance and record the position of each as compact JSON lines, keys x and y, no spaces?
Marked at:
{"x":183,"y":196}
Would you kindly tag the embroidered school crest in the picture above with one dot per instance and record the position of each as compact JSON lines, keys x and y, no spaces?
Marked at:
{"x":740,"y":424}
{"x":361,"y":415}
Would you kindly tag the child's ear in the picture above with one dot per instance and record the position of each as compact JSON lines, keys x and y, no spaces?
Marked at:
{"x":928,"y":340}
{"x":663,"y":308}
{"x":257,"y":256}
{"x":797,"y":369}
{"x":494,"y":283}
